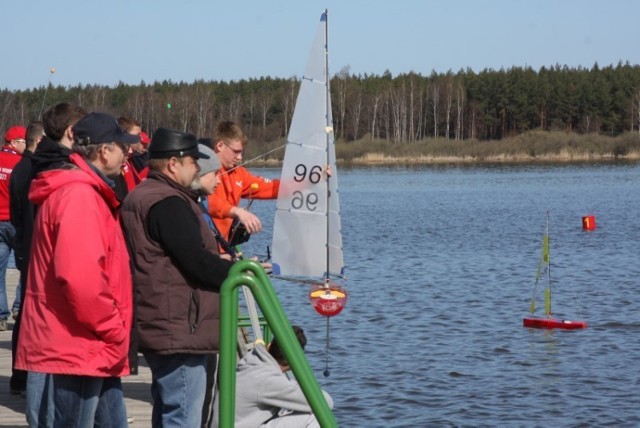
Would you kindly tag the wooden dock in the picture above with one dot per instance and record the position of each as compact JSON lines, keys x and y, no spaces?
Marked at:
{"x":137,"y":389}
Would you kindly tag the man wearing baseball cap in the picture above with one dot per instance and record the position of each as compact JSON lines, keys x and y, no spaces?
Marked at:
{"x":51,"y":153}
{"x":14,"y":144}
{"x":15,"y":136}
{"x":21,"y":212}
{"x":78,"y":304}
{"x":174,"y":259}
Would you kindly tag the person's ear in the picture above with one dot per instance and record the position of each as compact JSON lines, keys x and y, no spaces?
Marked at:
{"x":69,"y":133}
{"x":101,"y":153}
{"x":171,"y":164}
{"x":217,"y":147}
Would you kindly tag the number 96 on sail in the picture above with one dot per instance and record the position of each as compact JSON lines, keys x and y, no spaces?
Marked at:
{"x":310,"y":185}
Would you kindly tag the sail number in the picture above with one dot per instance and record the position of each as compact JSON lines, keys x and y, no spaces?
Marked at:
{"x":310,"y":200}
{"x":315,"y":173}
{"x":299,"y":200}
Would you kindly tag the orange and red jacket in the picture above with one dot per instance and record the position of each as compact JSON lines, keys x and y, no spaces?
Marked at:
{"x":233,"y":186}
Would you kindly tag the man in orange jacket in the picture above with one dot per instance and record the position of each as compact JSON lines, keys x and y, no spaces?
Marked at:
{"x":236,"y":182}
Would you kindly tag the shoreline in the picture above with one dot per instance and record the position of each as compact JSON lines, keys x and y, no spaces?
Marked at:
{"x":379,"y":159}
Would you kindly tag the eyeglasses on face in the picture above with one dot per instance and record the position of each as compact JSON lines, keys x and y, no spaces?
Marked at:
{"x":124,"y":147}
{"x":235,"y":152}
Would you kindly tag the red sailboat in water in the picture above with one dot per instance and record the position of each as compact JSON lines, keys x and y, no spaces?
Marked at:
{"x":547,"y":322}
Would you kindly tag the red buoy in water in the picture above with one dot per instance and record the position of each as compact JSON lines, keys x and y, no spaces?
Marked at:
{"x":589,"y":222}
{"x":328,"y":300}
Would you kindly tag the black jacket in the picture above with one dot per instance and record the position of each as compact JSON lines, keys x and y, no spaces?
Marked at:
{"x":49,"y":154}
{"x":21,"y":209}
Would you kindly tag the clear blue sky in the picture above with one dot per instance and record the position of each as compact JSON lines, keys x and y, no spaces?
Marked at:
{"x":104,"y":42}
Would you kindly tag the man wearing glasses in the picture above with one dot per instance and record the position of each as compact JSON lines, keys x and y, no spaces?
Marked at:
{"x":236,"y":182}
{"x":14,"y":145}
{"x":76,"y":316}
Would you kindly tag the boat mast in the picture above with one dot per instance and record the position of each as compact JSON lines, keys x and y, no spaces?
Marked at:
{"x":547,"y":297}
{"x":328,"y":130}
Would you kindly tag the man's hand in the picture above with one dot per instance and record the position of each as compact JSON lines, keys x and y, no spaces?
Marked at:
{"x":268,"y":268}
{"x":250,"y":220}
{"x":226,"y":256}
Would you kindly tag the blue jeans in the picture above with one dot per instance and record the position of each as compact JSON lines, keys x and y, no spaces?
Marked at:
{"x":85,"y":401}
{"x":178,"y":384}
{"x":7,"y":238}
{"x":17,"y":301}
{"x":39,"y":400}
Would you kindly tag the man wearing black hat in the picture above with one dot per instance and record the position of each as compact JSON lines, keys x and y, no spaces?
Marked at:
{"x":77,"y":310}
{"x":177,"y":274}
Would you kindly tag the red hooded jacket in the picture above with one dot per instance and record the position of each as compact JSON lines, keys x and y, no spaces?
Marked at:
{"x":77,"y":316}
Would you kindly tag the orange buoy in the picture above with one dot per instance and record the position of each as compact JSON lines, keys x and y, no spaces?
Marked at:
{"x":589,"y":222}
{"x":328,"y":300}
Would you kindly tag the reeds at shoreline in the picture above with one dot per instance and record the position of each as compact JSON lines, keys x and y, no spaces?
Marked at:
{"x":531,"y":147}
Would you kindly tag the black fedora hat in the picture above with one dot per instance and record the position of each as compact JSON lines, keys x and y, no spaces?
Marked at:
{"x":166,"y":143}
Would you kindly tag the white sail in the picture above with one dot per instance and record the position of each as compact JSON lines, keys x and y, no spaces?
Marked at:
{"x":307,"y":239}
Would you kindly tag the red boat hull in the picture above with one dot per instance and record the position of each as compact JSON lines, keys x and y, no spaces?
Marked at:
{"x":550,"y":323}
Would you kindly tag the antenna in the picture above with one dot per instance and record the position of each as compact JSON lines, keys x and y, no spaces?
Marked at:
{"x":52,"y":71}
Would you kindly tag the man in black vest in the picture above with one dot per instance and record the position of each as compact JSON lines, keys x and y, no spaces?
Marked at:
{"x":177,"y":274}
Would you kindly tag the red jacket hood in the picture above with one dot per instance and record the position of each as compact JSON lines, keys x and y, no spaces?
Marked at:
{"x":79,"y":171}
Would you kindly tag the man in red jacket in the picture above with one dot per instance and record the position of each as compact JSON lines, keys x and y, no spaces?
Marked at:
{"x":14,"y":144}
{"x":78,"y":303}
{"x":236,"y":182}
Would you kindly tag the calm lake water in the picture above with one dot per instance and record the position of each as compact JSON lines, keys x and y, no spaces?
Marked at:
{"x":441,"y":265}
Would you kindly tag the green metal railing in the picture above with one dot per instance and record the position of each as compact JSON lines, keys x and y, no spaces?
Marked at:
{"x":244,"y":321}
{"x":252,"y":275}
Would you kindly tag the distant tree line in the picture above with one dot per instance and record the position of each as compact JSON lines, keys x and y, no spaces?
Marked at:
{"x":467,"y":105}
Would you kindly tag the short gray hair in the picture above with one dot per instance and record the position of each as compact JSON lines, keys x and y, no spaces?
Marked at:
{"x":88,"y":151}
{"x":158,"y":164}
